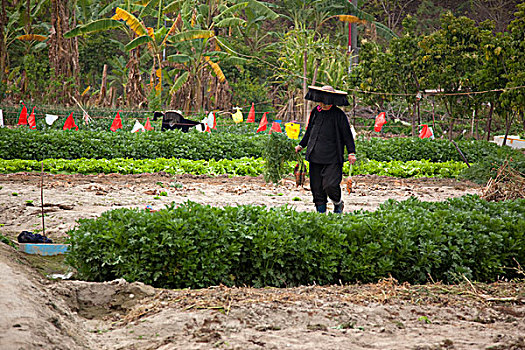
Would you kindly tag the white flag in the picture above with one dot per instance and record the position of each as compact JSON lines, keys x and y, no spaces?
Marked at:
{"x":1,"y":119}
{"x":138,"y":127}
{"x":210,"y":120}
{"x":354,"y":134}
{"x":86,"y":118}
{"x":432,"y":131}
{"x":51,"y":118}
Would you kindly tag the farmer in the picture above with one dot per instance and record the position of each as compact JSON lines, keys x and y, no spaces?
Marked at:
{"x":326,"y":136}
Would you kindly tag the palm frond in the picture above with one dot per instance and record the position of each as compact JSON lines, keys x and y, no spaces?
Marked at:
{"x":31,"y":37}
{"x":92,"y":27}
{"x":384,"y":31}
{"x":219,"y":54}
{"x":174,"y":26}
{"x":137,"y":42}
{"x":150,"y":6}
{"x":133,"y":23}
{"x":263,"y":10}
{"x":191,"y":35}
{"x":107,"y":9}
{"x":231,"y":22}
{"x":343,"y":9}
{"x":173,"y":6}
{"x":230,"y":11}
{"x":216,"y":69}
{"x":179,"y":58}
{"x":336,"y":7}
{"x":158,"y":87}
{"x":237,"y":60}
{"x":181,"y":80}
{"x":36,"y":10}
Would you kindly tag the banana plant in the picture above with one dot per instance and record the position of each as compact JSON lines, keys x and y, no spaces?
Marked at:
{"x":15,"y":26}
{"x":202,"y":43}
{"x":343,"y":8}
{"x":137,"y":32}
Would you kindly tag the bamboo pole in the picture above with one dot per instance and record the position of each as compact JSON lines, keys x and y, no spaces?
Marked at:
{"x":42,"y":199}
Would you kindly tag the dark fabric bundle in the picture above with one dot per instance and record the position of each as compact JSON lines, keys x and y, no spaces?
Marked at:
{"x":327,"y":97}
{"x":30,"y":237}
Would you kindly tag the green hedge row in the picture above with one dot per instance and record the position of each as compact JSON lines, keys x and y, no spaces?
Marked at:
{"x":198,"y":246}
{"x":234,"y":167}
{"x":407,"y":148}
{"x":23,"y":143}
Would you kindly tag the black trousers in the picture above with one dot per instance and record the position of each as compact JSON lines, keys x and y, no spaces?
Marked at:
{"x":325,"y":182}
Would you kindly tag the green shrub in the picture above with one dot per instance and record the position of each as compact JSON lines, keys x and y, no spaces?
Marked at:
{"x":196,"y":246}
{"x":27,"y":144}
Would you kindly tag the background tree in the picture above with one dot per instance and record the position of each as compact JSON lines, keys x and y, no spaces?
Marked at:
{"x":451,"y":57}
{"x":513,"y":97}
{"x":63,"y":52}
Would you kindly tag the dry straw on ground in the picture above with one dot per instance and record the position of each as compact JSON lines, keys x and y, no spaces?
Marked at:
{"x":508,"y":184}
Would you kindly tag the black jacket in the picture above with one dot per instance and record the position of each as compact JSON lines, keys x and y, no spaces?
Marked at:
{"x":343,"y":134}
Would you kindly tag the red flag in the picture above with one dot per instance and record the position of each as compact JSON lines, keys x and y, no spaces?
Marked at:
{"x":380,"y":121}
{"x":70,"y":123}
{"x":22,"y":120}
{"x":251,"y":115}
{"x":148,"y":126}
{"x":32,"y":119}
{"x":263,"y":123}
{"x":117,"y":123}
{"x":425,"y":132}
{"x":214,"y":122}
{"x":276,"y":127}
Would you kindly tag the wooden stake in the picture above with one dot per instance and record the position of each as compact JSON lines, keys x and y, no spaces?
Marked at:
{"x":305,"y":87}
{"x":42,"y":199}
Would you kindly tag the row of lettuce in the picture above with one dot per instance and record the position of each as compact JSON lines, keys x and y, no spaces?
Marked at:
{"x":235,"y":167}
{"x":25,"y":144}
{"x":192,"y":245}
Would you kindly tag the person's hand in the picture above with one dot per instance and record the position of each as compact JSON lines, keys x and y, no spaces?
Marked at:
{"x":298,"y":149}
{"x":351,"y":158}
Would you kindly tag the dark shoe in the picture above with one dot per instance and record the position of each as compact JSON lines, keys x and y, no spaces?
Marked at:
{"x":338,"y":208}
{"x":321,"y":208}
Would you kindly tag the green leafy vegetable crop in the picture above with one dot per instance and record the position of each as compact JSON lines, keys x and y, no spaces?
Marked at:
{"x":234,"y":167}
{"x":193,"y":245}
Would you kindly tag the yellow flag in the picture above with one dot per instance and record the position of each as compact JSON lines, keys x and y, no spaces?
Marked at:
{"x":292,"y":130}
{"x":237,"y":116}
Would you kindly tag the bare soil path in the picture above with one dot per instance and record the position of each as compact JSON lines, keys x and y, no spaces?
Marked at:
{"x":71,"y":197}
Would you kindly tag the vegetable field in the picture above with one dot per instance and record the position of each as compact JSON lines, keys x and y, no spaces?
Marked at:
{"x":205,"y":224}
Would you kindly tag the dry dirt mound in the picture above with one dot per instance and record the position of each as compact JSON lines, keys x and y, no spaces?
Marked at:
{"x":30,"y":315}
